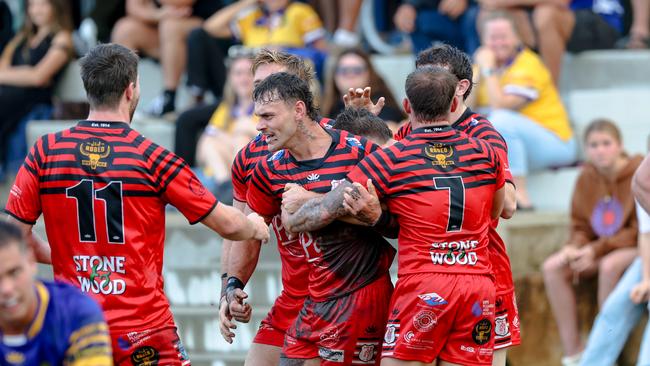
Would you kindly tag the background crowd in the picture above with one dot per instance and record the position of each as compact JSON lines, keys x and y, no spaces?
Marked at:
{"x":518,"y":48}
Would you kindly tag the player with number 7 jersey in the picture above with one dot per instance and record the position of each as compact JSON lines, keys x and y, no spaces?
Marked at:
{"x":102,"y":188}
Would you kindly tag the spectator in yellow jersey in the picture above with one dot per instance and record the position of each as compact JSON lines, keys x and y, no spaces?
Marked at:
{"x":517,"y":92}
{"x":45,"y":323}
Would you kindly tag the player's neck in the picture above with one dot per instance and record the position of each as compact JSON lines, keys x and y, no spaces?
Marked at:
{"x":455,"y":115}
{"x":310,"y":141}
{"x":109,"y":116}
{"x":421,"y":124}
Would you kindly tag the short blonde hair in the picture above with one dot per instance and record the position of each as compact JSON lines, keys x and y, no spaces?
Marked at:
{"x":293,"y":64}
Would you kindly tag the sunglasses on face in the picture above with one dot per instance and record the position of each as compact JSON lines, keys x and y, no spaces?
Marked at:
{"x":350,"y":70}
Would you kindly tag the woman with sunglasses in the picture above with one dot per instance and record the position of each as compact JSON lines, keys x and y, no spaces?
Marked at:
{"x":352,"y":69}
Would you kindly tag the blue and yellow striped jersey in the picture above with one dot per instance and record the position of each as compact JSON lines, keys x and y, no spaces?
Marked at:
{"x":68,"y":329}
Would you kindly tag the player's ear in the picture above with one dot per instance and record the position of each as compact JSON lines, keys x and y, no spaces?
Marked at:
{"x":454,"y":104}
{"x":406,"y":105}
{"x":130,"y":91}
{"x":462,"y":87}
{"x":300,"y":109}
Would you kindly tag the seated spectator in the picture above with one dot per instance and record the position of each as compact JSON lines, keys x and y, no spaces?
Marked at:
{"x":449,"y":21}
{"x":517,"y":93}
{"x":352,"y":69}
{"x":603,"y":232}
{"x":639,"y":36}
{"x":546,"y":26}
{"x":45,"y":323}
{"x":231,"y":126}
{"x":31,"y":64}
{"x":160,"y":32}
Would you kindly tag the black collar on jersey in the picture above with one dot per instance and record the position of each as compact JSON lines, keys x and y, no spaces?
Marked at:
{"x":103,"y":124}
{"x":468,"y":113}
{"x":434,"y":132}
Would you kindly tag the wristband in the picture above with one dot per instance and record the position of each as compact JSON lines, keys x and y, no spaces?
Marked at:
{"x":488,"y":71}
{"x":234,"y":283}
{"x":383,"y":220}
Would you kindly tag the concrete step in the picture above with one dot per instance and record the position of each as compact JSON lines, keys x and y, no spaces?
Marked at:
{"x":605,"y":69}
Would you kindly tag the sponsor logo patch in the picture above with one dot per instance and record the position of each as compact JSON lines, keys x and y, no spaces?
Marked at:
{"x":331,"y":355}
{"x":391,"y":334}
{"x":482,"y":332}
{"x":367,"y":352}
{"x":501,"y":326}
{"x":433,"y":299}
{"x":425,"y":320}
{"x":145,"y":356}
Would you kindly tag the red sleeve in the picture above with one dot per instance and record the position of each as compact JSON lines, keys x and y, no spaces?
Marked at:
{"x":260,"y":196}
{"x":182,"y":189}
{"x":487,"y":132}
{"x":374,"y":167}
{"x":238,"y":174}
{"x":24,"y":202}
{"x":500,"y":172}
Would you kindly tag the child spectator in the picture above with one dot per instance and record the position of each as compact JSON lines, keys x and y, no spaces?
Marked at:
{"x":352,"y":69}
{"x":603,"y":232}
{"x":32,"y":62}
{"x":517,"y":92}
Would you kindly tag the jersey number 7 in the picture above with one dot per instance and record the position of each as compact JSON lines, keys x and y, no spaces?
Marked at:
{"x":456,"y":188}
{"x":85,"y":195}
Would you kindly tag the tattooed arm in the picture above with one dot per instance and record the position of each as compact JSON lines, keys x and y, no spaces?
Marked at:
{"x":318,"y":212}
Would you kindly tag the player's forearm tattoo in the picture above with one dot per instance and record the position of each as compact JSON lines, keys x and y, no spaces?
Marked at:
{"x":321,"y":211}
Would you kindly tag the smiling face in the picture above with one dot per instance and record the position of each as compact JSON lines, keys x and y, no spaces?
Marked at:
{"x":499,"y":35}
{"x":602,"y":150}
{"x":17,"y":296}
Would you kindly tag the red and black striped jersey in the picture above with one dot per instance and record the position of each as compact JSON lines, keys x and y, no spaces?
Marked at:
{"x":102,"y":189}
{"x":295,"y":271}
{"x":440,"y":184}
{"x":343,"y":257}
{"x":477,"y":126}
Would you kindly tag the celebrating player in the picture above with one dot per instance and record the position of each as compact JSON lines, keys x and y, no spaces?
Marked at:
{"x":43,"y":322}
{"x":269,"y":339}
{"x":443,"y":305}
{"x":102,"y":188}
{"x":316,"y":158}
{"x":506,"y":330}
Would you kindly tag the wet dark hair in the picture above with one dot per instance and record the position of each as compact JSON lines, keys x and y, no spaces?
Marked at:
{"x":288,"y":88}
{"x":450,"y":57}
{"x":430,"y":91}
{"x":359,"y":121}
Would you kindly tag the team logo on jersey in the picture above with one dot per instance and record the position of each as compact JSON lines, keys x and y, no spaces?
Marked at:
{"x":391,"y":334}
{"x":15,"y":358}
{"x":329,"y":337}
{"x":196,"y":187}
{"x":433,"y":299}
{"x":501,"y":326}
{"x":145,"y":356}
{"x":425,"y":320}
{"x":95,"y":150}
{"x":278,"y":155}
{"x":439,"y":154}
{"x":482,"y":332}
{"x":354,"y":142}
{"x":408,"y":337}
{"x":313,"y":177}
{"x":367,"y":352}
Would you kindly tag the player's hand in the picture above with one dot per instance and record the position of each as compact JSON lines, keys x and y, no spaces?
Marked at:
{"x":404,"y":18}
{"x":261,"y":227}
{"x":569,"y":253}
{"x":452,"y":8}
{"x":640,"y":292}
{"x":239,"y":310}
{"x":583,"y":259}
{"x":362,"y":204}
{"x":225,"y":321}
{"x":294,"y":197}
{"x":360,"y":98}
{"x":485,"y":58}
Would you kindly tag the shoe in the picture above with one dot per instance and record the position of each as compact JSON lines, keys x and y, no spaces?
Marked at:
{"x":160,"y":106}
{"x":572,"y":360}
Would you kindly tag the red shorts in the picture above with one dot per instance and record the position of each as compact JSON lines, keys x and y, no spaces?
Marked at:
{"x":282,"y":315}
{"x":506,"y":321}
{"x":441,"y":316}
{"x":160,"y":346}
{"x":346,"y":330}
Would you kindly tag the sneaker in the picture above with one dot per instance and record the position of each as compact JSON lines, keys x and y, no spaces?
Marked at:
{"x":572,"y":360}
{"x":160,"y":106}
